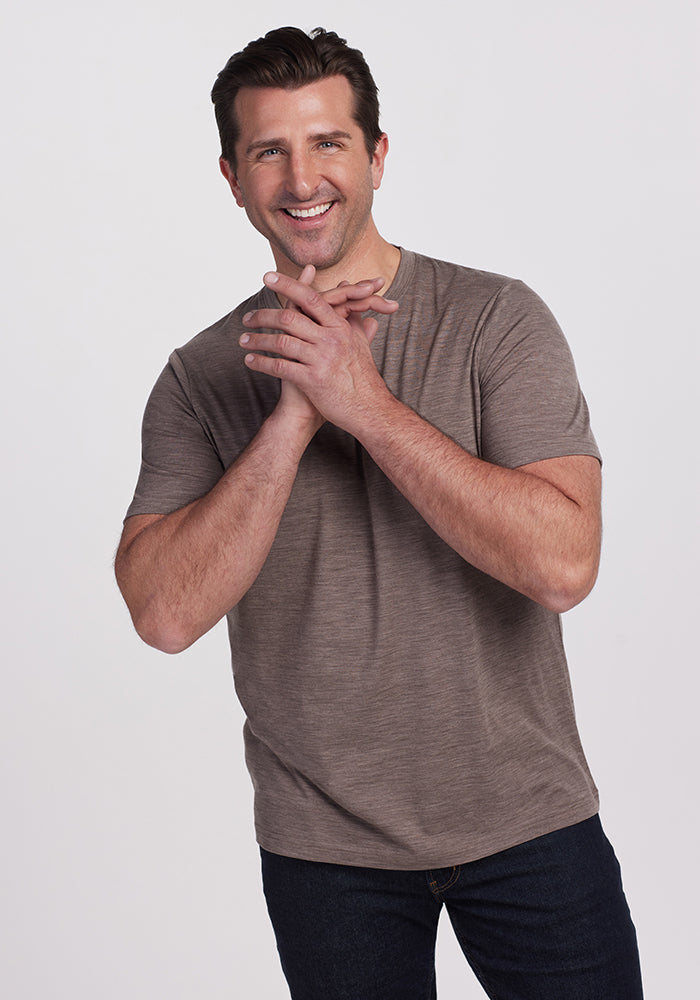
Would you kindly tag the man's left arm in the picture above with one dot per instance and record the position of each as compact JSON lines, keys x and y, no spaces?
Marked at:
{"x":535,"y":528}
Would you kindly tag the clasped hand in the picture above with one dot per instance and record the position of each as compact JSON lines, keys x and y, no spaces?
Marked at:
{"x":321,"y":345}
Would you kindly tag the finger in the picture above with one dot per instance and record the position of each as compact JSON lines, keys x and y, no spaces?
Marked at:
{"x":308,"y":274}
{"x":360,"y":297}
{"x":287,"y":320}
{"x":306,"y":278}
{"x":282,"y":344}
{"x":360,"y":290}
{"x":370,"y":326}
{"x":290,"y":371}
{"x":366,"y":325}
{"x":377,"y":303}
{"x":311,"y":302}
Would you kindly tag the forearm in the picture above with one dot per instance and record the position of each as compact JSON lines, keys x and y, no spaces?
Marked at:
{"x":536,"y":529}
{"x":539,"y":535}
{"x":180,"y":573}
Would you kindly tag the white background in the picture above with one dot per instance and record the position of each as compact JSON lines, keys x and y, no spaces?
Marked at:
{"x":551,"y":141}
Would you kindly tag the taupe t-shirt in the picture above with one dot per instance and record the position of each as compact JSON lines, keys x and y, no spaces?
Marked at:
{"x":404,"y":710}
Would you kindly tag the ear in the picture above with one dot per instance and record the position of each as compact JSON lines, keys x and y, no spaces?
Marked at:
{"x":229,"y":173}
{"x":377,"y":161}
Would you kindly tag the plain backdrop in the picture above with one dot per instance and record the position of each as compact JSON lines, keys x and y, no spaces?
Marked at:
{"x":555,"y":142}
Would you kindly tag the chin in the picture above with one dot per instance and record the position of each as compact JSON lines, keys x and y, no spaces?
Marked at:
{"x":321,"y":261}
{"x":321,"y":255}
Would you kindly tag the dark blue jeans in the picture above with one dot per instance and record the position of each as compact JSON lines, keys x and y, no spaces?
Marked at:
{"x":546,"y":920}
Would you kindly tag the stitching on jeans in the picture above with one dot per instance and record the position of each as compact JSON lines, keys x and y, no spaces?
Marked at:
{"x":456,"y":872}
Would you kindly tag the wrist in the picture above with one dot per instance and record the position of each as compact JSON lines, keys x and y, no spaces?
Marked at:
{"x":374,"y":420}
{"x":294,"y":426}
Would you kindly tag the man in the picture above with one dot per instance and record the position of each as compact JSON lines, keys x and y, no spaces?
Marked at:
{"x":391,"y":510}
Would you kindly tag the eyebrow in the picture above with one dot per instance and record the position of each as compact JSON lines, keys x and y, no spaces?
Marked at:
{"x":317,"y":137}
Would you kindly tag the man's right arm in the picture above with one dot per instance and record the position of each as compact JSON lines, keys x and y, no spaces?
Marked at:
{"x":180,"y":573}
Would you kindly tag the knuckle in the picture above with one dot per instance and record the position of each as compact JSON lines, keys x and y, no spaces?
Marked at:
{"x":335,"y":341}
{"x":288,"y":316}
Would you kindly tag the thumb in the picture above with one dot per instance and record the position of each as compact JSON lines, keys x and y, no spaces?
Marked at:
{"x":370,"y":326}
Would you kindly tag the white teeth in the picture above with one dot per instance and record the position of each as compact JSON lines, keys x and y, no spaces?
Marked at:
{"x":308,"y":213}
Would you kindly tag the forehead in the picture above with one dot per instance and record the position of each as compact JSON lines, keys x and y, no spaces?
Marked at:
{"x":323,"y":105}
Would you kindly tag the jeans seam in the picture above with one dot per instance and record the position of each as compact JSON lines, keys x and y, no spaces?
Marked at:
{"x":438,"y":890}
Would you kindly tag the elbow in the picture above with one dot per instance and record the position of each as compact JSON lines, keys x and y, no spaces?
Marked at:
{"x":156,"y":626}
{"x":166,"y":640}
{"x":161,"y":621}
{"x":570,"y":586}
{"x":163,"y":632}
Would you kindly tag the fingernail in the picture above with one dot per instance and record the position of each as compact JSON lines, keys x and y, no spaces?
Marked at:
{"x":270,"y":278}
{"x":244,"y":339}
{"x":247,"y":317}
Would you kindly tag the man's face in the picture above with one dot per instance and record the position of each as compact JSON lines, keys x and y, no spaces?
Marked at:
{"x":303,"y":174}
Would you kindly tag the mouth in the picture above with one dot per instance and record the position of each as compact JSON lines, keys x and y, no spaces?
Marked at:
{"x":308,"y":213}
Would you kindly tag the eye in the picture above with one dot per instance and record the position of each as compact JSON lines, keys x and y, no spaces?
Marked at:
{"x":267,"y":153}
{"x":328,"y":144}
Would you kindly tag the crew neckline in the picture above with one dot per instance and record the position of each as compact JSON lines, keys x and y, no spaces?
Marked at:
{"x":402,"y":280}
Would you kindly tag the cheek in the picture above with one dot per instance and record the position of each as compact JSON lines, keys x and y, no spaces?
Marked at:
{"x":257,"y":194}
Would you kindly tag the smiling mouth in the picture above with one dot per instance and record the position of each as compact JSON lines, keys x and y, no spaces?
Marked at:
{"x":308,"y":213}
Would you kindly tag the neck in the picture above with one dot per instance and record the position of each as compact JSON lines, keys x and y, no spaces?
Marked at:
{"x":371,"y":258}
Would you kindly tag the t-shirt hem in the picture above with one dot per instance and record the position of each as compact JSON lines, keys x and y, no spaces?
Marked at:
{"x":430,"y":859}
{"x":541,"y":453}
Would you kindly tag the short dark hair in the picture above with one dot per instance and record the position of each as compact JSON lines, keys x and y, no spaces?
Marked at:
{"x":289,"y":58}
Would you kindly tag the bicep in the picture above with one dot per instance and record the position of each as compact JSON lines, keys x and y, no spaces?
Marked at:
{"x":531,"y":403}
{"x":179,"y":460}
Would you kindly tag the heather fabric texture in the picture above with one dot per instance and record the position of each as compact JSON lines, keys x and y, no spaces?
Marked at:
{"x":404,"y":710}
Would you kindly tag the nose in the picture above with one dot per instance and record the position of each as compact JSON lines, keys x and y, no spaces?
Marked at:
{"x":302,"y":176}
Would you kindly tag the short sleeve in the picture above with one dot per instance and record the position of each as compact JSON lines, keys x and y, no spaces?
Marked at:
{"x":179,"y":461}
{"x":532,"y":407}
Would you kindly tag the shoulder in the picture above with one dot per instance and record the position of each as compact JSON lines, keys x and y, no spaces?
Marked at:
{"x":210,"y":367}
{"x":477,"y":299}
{"x":427,"y":267}
{"x":452,"y":281}
{"x":221,"y":336}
